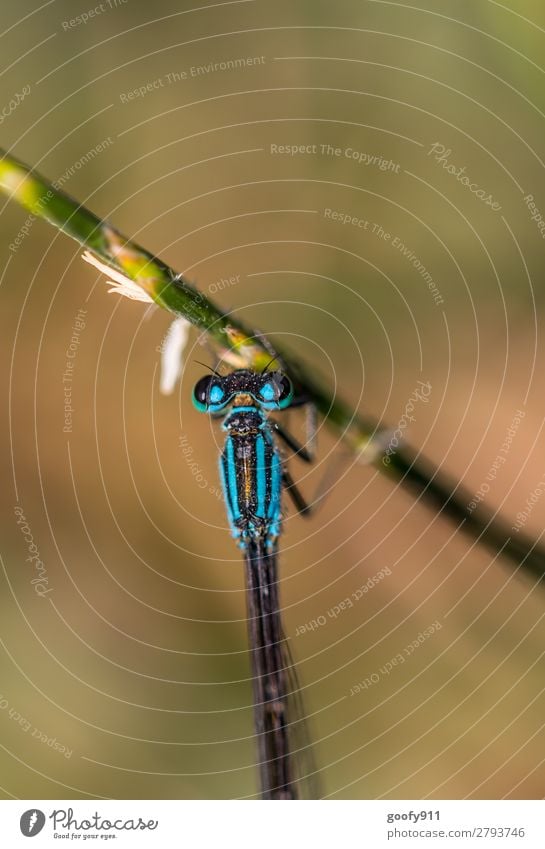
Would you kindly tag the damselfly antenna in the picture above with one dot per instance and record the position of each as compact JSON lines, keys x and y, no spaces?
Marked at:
{"x":276,"y":357}
{"x":204,"y":365}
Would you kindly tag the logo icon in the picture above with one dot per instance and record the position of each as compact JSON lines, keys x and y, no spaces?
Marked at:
{"x":32,"y":822}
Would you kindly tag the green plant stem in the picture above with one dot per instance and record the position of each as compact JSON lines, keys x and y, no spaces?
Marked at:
{"x":241,"y":347}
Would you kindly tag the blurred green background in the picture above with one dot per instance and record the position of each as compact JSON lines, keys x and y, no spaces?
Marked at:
{"x":135,"y":660}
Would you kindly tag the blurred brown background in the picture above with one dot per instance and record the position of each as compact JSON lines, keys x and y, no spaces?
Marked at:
{"x":129,"y":678}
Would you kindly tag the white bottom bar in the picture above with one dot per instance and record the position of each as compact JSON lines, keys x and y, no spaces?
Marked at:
{"x":274,"y":825}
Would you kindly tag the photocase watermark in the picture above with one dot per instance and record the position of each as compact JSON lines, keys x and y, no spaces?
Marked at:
{"x":411,"y":257}
{"x":40,"y":205}
{"x":58,"y":184}
{"x":69,"y":367}
{"x":178,"y":341}
{"x":343,"y":605}
{"x":374,"y":228}
{"x":36,"y":733}
{"x":523,"y":515}
{"x":82,"y":161}
{"x":361,"y":157}
{"x":498,"y":461}
{"x":535,"y":215}
{"x":15,"y":101}
{"x":192,"y":72}
{"x":223,"y":283}
{"x":41,"y":581}
{"x":92,"y":13}
{"x":421,"y":393}
{"x":31,"y":822}
{"x":442,"y":157}
{"x":397,"y":660}
{"x":236,"y":64}
{"x":194,"y":305}
{"x":64,"y":819}
{"x":196,"y":470}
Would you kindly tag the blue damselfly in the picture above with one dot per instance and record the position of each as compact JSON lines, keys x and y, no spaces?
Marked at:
{"x":253,"y":476}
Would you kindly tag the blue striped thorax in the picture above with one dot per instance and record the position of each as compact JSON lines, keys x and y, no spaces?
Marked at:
{"x":250,"y":465}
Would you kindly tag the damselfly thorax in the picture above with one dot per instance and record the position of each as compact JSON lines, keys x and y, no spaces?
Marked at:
{"x":250,"y":465}
{"x":251,"y":471}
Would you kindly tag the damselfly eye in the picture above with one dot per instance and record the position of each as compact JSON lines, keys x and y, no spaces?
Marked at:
{"x":276,"y":390}
{"x":216,"y":394}
{"x":269,"y":391}
{"x":285,"y":387}
{"x":208,"y":392}
{"x":200,"y":393}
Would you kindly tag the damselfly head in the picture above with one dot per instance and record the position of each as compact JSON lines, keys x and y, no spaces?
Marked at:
{"x":270,"y":390}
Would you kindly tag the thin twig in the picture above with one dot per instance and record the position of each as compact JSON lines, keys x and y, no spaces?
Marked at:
{"x":241,"y":347}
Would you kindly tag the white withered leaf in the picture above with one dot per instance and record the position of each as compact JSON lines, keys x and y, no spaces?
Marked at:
{"x":172,"y":352}
{"x":120,"y":284}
